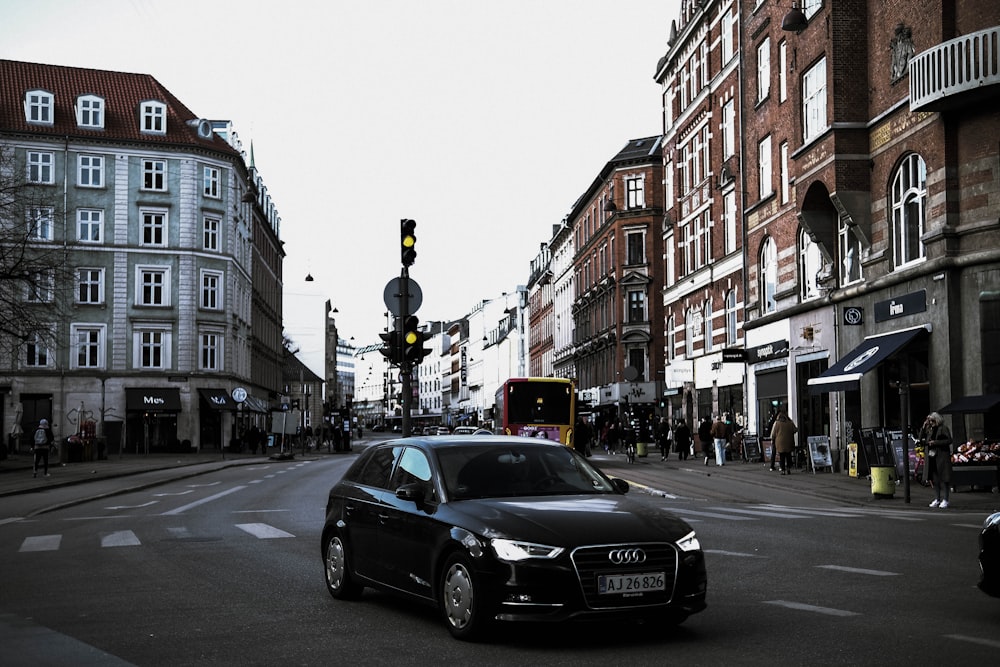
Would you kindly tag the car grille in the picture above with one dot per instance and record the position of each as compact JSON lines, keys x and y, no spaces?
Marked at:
{"x":592,"y":561}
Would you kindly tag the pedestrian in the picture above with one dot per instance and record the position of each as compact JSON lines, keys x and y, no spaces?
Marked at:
{"x":663,"y":438}
{"x":936,"y":439}
{"x":682,"y":439}
{"x":767,"y":430}
{"x":705,"y":437}
{"x":783,"y":440}
{"x":720,"y":436}
{"x":611,"y":443}
{"x":581,"y":438}
{"x":40,"y":444}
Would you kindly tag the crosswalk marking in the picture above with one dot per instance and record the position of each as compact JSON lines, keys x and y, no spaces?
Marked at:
{"x":263,"y":531}
{"x":41,"y":543}
{"x":120,"y":538}
{"x":810,"y":607}
{"x":858,"y":570}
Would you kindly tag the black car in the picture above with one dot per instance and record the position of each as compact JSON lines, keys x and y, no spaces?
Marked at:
{"x":499,"y":528}
{"x":989,"y":555}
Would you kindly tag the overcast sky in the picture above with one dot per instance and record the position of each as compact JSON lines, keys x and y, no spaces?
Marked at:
{"x":481,"y":120}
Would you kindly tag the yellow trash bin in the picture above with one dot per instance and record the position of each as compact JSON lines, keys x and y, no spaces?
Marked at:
{"x":641,"y":448}
{"x":883,"y":481}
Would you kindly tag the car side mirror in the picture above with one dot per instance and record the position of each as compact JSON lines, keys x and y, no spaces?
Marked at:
{"x":621,"y":486}
{"x":413,"y":492}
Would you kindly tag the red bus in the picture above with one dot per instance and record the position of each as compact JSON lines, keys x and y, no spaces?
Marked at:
{"x":537,"y":407}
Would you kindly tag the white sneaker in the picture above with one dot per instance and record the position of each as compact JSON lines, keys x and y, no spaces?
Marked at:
{"x":943,"y":505}
{"x":935,"y":503}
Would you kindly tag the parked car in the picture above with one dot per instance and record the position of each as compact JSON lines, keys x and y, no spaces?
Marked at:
{"x":443,"y":430}
{"x":494,"y":529}
{"x":989,"y":555}
{"x":464,"y":430}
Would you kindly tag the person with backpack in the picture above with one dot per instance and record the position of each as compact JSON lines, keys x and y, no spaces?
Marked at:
{"x":40,"y":444}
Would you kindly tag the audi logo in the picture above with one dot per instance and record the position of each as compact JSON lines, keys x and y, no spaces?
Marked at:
{"x":627,"y":556}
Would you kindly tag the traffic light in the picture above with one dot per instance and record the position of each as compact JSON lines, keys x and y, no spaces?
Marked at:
{"x":407,"y":241}
{"x":413,"y":340}
{"x":390,"y":346}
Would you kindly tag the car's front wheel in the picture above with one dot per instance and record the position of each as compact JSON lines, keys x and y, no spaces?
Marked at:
{"x":462,"y":602}
{"x":339,"y":581}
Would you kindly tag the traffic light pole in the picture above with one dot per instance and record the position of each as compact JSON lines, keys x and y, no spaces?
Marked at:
{"x":405,"y":368}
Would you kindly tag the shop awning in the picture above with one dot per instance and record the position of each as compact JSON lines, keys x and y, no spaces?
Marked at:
{"x":254,"y":404}
{"x":846,"y":374}
{"x":973,"y":404}
{"x":159,"y":399}
{"x":218,"y":399}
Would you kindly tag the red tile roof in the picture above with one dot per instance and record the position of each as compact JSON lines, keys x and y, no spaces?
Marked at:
{"x":122,"y":93}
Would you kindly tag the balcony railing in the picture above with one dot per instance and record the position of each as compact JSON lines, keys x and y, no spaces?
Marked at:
{"x":944,"y":76}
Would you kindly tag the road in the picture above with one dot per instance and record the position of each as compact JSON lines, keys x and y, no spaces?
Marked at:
{"x":224,"y":568}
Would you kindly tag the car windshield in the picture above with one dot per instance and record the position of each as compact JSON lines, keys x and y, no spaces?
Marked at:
{"x":510,"y":471}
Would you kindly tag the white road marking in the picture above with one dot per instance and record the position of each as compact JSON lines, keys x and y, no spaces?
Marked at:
{"x":858,"y":570}
{"x":263,"y":531}
{"x":975,"y":640}
{"x":770,"y":513}
{"x":185,"y":508}
{"x":198,"y":486}
{"x":257,"y":511}
{"x":13,"y":519}
{"x":41,"y":543}
{"x":131,"y":507}
{"x":120,"y":538}
{"x":179,"y":493}
{"x":811,"y":607}
{"x":713,"y":515}
{"x":738,"y":554}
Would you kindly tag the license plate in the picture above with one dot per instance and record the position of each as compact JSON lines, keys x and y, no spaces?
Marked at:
{"x":619,"y":584}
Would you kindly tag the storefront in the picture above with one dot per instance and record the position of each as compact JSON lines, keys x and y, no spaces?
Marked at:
{"x":216,"y":417}
{"x":151,"y":420}
{"x":976,"y":441}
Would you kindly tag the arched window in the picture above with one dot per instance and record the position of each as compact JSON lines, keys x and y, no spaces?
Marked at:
{"x":768,"y":276}
{"x":810,"y":263}
{"x":908,"y":202}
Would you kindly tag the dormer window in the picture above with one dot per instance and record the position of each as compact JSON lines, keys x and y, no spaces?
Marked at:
{"x":39,"y":107}
{"x":90,"y":112}
{"x":153,"y":117}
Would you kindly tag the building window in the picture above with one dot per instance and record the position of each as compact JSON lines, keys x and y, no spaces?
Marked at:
{"x":636,"y":306}
{"x":768,"y":277}
{"x":909,"y":203}
{"x":637,"y":360}
{"x":211,"y":352}
{"x":732,"y":317}
{"x":728,"y":129}
{"x":211,"y":230}
{"x":763,"y":69}
{"x":90,"y":286}
{"x":90,"y":112}
{"x":729,"y":220}
{"x":90,"y":171}
{"x":154,"y":175}
{"x":810,"y":263}
{"x":635,"y":192}
{"x":41,"y":286}
{"x":154,"y":228}
{"x":40,"y":167}
{"x":782,"y":71}
{"x":89,"y":342}
{"x":849,"y":246}
{"x":727,"y":36}
{"x":810,"y":7}
{"x":814,"y":100}
{"x":785,"y":184}
{"x":89,"y":225}
{"x":153,"y":117}
{"x":709,"y":332}
{"x":38,"y":107}
{"x":211,"y":182}
{"x":671,"y":339}
{"x":41,"y":226}
{"x":690,"y":328}
{"x":152,"y":349}
{"x":684,"y":165}
{"x":211,"y":290}
{"x":36,"y":352}
{"x":765,"y":187}
{"x":702,"y":239}
{"x":152,"y":286}
{"x":636,"y":247}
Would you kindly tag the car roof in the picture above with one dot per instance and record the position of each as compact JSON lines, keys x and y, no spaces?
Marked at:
{"x":471,"y":440}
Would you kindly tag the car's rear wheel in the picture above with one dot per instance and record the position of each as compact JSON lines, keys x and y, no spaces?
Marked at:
{"x":339,"y":581}
{"x":462,"y":602}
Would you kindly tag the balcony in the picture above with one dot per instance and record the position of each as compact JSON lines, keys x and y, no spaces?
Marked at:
{"x":956,"y":73}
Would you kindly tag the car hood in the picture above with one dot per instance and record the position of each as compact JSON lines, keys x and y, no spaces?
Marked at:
{"x":571,"y":521}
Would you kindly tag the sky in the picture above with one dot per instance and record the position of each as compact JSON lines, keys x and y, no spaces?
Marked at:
{"x":482,"y":120}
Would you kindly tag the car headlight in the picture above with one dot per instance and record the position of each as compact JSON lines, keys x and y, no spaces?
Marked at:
{"x":689,"y":542}
{"x":510,"y":550}
{"x":992,"y":520}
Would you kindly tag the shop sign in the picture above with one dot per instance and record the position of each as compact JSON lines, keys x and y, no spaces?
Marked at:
{"x":774,"y":350}
{"x":734,"y":355}
{"x":907,"y":304}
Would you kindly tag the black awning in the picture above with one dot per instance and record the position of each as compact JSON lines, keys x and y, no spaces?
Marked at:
{"x":254,"y":404}
{"x":162,"y":399}
{"x":846,"y":374}
{"x":217,"y":399}
{"x":973,"y":404}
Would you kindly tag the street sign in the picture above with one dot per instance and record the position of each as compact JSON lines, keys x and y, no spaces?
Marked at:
{"x":393,"y":290}
{"x":239,"y":394}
